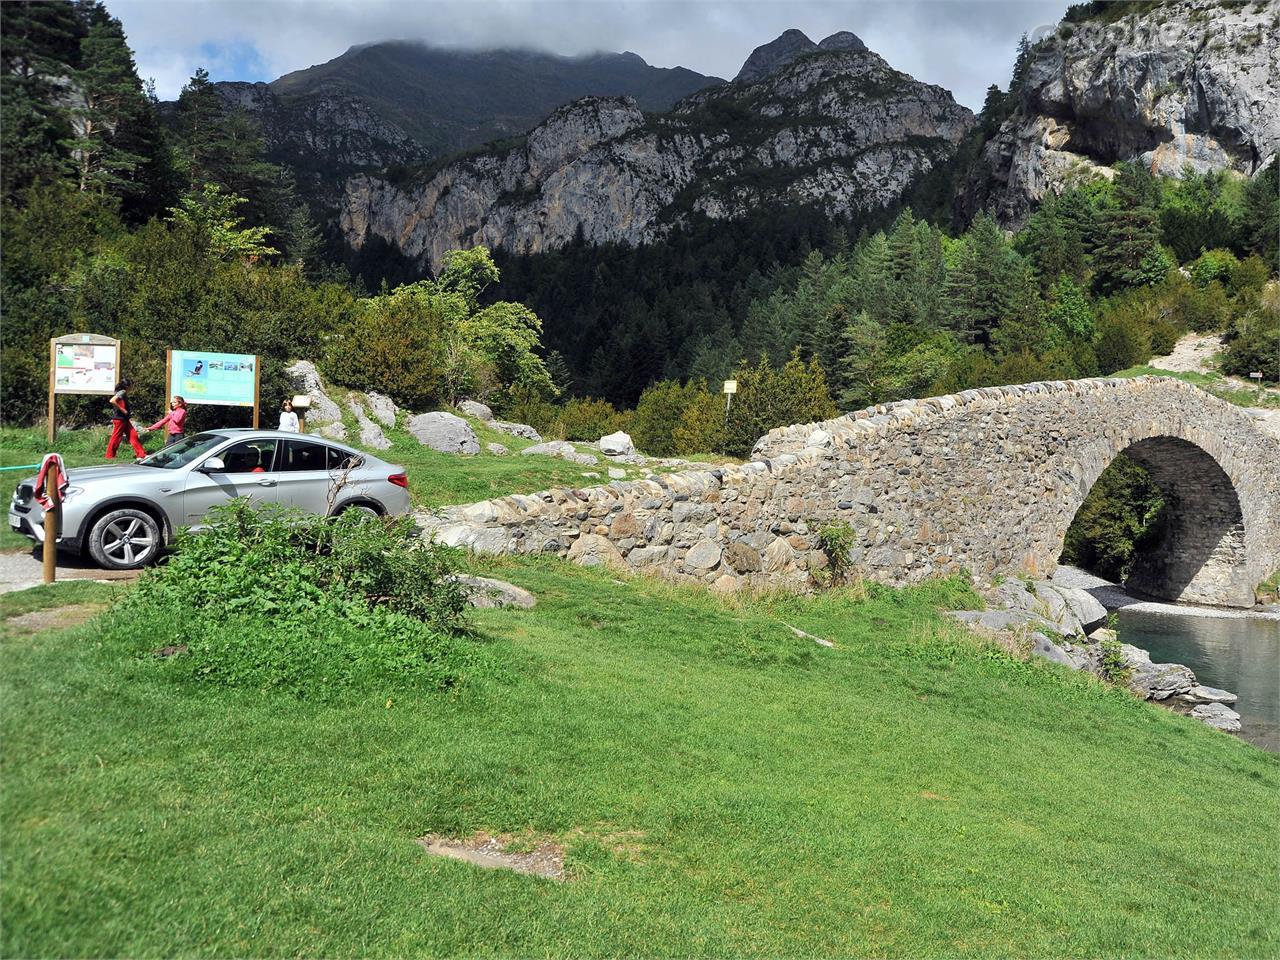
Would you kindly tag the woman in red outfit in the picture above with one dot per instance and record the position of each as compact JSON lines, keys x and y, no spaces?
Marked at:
{"x":122,"y":422}
{"x":174,"y":421}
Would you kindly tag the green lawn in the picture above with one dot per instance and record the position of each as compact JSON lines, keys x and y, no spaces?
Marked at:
{"x":906,"y":793}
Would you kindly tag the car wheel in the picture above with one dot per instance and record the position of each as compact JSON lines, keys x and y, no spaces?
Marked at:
{"x":125,"y":539}
{"x":364,"y":509}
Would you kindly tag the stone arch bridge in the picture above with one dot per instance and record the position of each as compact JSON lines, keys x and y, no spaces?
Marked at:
{"x":987,"y":480}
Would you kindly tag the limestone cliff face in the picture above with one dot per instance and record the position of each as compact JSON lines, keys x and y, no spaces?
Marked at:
{"x":1191,"y":82}
{"x":835,"y":127}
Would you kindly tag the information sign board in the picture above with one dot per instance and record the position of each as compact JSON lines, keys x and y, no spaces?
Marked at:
{"x":217,"y":379}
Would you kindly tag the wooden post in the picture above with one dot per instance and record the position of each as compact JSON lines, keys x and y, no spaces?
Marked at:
{"x":53,"y":397}
{"x":52,"y":516}
{"x":302,"y":422}
{"x":257,"y":388}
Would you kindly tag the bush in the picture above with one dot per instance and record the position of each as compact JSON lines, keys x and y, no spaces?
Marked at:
{"x":308,"y":605}
{"x":585,"y":418}
{"x":1213,"y":265}
{"x":1124,"y":335}
{"x":660,"y":410}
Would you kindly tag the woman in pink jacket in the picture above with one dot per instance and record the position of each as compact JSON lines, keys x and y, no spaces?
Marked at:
{"x":174,"y":421}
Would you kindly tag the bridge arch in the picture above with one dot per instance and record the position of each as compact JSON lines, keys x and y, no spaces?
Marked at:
{"x":1200,"y":556}
{"x":985,"y":481}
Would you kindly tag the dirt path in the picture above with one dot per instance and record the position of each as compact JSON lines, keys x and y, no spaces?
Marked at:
{"x":1193,"y":353}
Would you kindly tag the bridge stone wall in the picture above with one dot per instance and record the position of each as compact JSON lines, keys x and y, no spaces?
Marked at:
{"x":986,"y":481}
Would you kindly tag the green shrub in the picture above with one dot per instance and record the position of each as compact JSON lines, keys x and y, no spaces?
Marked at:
{"x":308,"y":605}
{"x":1213,"y":265}
{"x":836,"y":541}
{"x":660,"y":410}
{"x":586,"y":418}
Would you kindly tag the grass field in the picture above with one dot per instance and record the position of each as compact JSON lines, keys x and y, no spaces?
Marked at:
{"x":720,"y":785}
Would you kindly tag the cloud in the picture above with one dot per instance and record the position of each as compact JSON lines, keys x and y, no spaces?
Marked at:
{"x":963,"y":45}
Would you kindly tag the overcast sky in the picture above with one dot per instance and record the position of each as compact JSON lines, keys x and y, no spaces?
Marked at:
{"x":963,"y":45}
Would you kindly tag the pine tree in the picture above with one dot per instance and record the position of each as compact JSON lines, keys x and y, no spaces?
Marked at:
{"x":109,"y":102}
{"x":39,"y":47}
{"x":1129,"y":231}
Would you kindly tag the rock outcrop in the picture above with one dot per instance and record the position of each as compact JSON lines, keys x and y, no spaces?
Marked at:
{"x":1189,"y":83}
{"x":836,"y":128}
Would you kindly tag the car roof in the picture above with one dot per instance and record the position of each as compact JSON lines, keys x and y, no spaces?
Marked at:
{"x":248,"y":433}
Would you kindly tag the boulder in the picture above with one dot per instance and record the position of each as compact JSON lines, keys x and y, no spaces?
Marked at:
{"x":562,"y":449}
{"x":371,"y":434}
{"x":305,"y":378}
{"x":497,"y":449}
{"x":617,"y":473}
{"x":617,"y":445}
{"x":487,"y":593}
{"x":1202,"y":694}
{"x":521,"y":430}
{"x":593,"y":550}
{"x":333,"y":431}
{"x":1217,"y":715}
{"x":1155,"y":681}
{"x":444,"y":432}
{"x":474,"y":408}
{"x":1046,"y":649}
{"x":1084,"y":606}
{"x":384,"y":409}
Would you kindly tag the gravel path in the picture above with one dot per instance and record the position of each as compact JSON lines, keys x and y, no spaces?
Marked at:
{"x":1193,"y":353}
{"x":24,"y":569}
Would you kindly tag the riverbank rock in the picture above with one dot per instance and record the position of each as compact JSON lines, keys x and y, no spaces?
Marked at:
{"x":444,"y":432}
{"x":303,"y":377}
{"x":474,"y":408}
{"x":1155,"y":681}
{"x":1218,"y":715}
{"x":1202,"y":694}
{"x":617,"y":445}
{"x":486,"y":593}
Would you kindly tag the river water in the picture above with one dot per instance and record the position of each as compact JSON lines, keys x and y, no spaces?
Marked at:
{"x":1240,"y":654}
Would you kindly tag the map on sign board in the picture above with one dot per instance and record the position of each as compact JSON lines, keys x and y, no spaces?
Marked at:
{"x":84,"y":368}
{"x":218,"y":379}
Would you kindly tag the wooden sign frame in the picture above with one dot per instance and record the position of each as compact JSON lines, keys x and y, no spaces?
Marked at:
{"x":84,"y":339}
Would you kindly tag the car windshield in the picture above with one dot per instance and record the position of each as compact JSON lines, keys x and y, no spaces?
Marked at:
{"x":184,"y":451}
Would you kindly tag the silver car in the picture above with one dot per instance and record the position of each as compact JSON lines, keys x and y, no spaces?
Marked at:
{"x":123,"y":516}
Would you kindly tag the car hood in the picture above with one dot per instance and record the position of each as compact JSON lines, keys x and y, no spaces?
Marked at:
{"x":79,"y":475}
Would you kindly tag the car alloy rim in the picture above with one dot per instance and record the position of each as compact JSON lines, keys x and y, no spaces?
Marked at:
{"x":132,"y":540}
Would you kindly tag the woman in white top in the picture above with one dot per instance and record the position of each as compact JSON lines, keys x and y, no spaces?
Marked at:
{"x":288,"y":419}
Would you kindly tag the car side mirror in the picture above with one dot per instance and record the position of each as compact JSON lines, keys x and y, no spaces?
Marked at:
{"x":213,"y":465}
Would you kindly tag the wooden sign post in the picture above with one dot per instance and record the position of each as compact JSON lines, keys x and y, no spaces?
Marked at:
{"x":83,"y":364}
{"x":52,"y":520}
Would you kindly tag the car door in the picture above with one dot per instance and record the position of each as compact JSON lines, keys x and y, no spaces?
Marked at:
{"x":249,"y":470}
{"x":310,"y":474}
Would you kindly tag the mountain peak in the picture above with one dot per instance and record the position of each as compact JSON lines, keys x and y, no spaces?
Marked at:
{"x":843,"y":40}
{"x":768,"y":57}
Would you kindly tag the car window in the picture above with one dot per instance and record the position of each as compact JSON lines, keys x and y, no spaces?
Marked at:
{"x":306,"y":455}
{"x":250,"y":456}
{"x":184,"y":451}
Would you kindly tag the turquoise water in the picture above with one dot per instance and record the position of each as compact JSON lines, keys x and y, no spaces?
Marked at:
{"x":1240,"y":655}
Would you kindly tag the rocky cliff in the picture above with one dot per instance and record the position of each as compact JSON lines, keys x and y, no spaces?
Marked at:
{"x":835,"y":127}
{"x":1185,"y":83}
